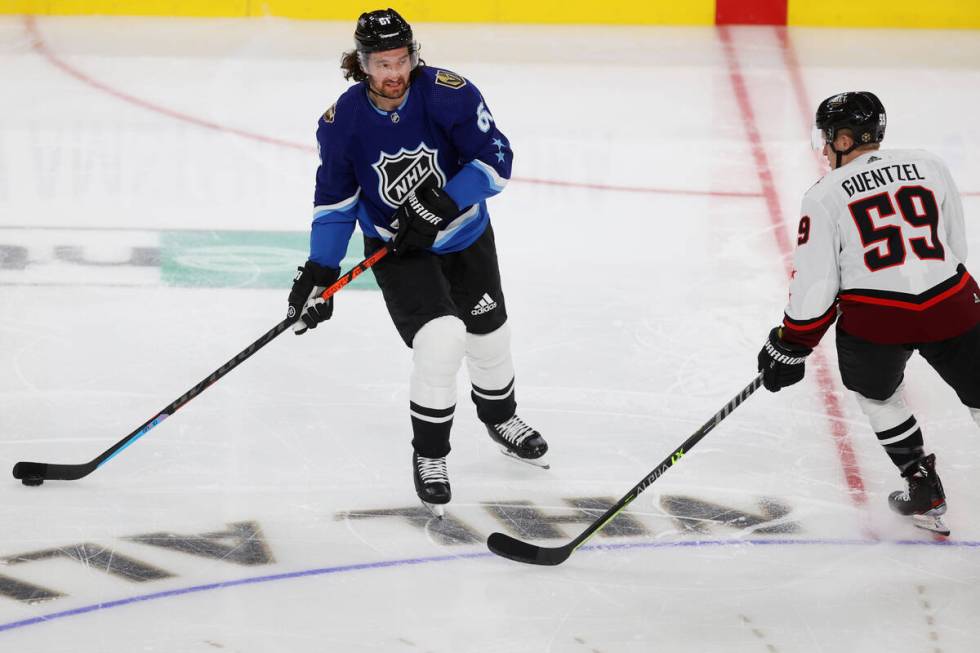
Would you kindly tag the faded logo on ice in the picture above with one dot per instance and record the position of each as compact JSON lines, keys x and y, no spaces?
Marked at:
{"x":406,"y":170}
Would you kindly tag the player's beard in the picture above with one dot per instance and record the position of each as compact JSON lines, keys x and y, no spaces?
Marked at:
{"x":391,"y":91}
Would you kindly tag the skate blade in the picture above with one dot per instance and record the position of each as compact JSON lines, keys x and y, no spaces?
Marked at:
{"x":438,"y":510}
{"x":933,"y":523}
{"x":534,"y":462}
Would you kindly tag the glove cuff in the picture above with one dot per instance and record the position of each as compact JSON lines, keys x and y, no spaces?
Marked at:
{"x":784,"y":352}
{"x":321,"y":275}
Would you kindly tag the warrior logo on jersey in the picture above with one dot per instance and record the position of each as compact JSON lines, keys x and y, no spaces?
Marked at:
{"x":401,"y":173}
{"x":452,"y":80}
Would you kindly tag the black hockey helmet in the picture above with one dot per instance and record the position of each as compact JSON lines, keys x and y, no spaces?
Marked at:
{"x":383,"y":29}
{"x":859,"y":111}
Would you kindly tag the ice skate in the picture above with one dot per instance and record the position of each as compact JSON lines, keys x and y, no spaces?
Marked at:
{"x":432,"y":483}
{"x":924,"y":500}
{"x":519,"y":441}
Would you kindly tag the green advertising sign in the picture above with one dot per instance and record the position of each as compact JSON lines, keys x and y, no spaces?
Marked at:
{"x":243,"y":259}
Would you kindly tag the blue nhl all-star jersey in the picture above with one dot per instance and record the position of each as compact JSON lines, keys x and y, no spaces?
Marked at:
{"x":442,"y":134}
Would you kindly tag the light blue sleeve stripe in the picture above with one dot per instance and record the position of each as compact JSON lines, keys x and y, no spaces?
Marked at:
{"x":497,"y":183}
{"x":342,"y":206}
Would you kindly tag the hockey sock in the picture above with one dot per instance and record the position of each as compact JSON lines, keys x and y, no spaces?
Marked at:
{"x":494,"y":406}
{"x":903,"y":443}
{"x":491,"y":371}
{"x":897,"y":429}
{"x":438,"y":349}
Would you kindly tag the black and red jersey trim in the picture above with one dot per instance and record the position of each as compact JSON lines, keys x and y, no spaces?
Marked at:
{"x":908,"y":301}
{"x":944,"y":311}
{"x":808,"y":332}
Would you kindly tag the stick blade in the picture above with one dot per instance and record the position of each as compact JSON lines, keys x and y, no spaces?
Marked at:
{"x":24,"y":470}
{"x":52,"y":472}
{"x":508,"y":547}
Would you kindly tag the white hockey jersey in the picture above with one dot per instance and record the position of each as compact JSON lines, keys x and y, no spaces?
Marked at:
{"x":881,"y":243}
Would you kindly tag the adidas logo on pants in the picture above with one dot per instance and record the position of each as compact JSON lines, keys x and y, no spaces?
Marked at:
{"x":485,"y":305}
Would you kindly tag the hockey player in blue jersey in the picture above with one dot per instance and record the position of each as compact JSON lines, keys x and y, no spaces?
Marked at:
{"x":411,"y":153}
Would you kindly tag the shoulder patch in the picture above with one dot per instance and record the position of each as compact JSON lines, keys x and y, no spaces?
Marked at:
{"x":329,"y":114}
{"x":451,"y":80}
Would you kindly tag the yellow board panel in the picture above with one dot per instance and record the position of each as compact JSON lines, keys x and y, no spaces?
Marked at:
{"x":211,"y":8}
{"x":934,"y":14}
{"x":616,"y":12}
{"x":622,"y":12}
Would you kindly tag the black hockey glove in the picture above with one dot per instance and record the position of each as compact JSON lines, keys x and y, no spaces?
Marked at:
{"x":423,"y":215}
{"x":304,"y":298}
{"x":781,"y":363}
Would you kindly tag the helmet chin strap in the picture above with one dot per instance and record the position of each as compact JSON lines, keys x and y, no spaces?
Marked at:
{"x":841,"y":153}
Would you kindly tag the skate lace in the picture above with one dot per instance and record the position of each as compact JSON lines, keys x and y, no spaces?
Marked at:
{"x":910,"y":486}
{"x":514,"y":431}
{"x":433,"y":470}
{"x":915,"y":484}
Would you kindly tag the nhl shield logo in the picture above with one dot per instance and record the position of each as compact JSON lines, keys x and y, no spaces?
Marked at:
{"x":401,"y":173}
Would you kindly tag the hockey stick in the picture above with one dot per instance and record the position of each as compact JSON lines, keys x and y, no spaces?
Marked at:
{"x":37,"y":473}
{"x":509,"y":547}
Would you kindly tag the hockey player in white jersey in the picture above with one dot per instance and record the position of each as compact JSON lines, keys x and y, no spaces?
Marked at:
{"x":881,"y":249}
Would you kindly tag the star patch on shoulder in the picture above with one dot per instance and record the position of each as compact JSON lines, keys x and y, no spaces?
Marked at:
{"x":329,"y":114}
{"x":451,"y":80}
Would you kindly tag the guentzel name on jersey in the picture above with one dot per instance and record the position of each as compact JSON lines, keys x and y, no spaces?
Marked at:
{"x":876,"y":177}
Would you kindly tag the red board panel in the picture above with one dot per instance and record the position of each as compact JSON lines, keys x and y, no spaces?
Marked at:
{"x":750,"y":12}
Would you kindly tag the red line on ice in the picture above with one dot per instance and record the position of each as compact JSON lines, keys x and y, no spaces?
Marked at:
{"x":838,"y":428}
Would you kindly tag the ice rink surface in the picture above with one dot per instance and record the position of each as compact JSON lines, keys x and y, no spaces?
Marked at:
{"x":155,"y":195}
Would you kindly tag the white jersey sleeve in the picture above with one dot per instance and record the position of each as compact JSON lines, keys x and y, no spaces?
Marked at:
{"x":816,"y":275}
{"x":952,"y":208}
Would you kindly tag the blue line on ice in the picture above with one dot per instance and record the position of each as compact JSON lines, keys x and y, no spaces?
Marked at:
{"x":404,"y":562}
